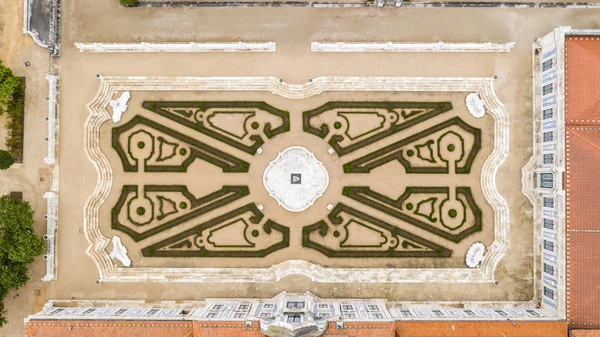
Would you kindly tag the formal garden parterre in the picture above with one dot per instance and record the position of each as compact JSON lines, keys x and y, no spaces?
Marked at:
{"x":405,"y":181}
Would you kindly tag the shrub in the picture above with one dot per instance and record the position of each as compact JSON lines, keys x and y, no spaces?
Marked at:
{"x":12,"y":98}
{"x":19,"y":245}
{"x":129,"y":2}
{"x":6,"y":160}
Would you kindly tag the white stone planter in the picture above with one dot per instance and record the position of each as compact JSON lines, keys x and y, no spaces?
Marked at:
{"x":296,"y":179}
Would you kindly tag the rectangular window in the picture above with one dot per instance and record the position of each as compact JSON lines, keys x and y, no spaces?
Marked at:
{"x":547,"y":65}
{"x":351,"y":316}
{"x":547,"y":184}
{"x":548,"y":223}
{"x":347,"y":308}
{"x":549,"y":158}
{"x":547,"y":89}
{"x":295,"y":305}
{"x":377,"y":315}
{"x":547,"y":180}
{"x":406,"y":313}
{"x":217,"y":307}
{"x":268,"y":306}
{"x":438,"y":313}
{"x":547,"y":113}
{"x":212,"y":314}
{"x":548,"y":137}
{"x":548,"y":269}
{"x":239,"y":315}
{"x":373,"y":307}
{"x":549,"y":245}
{"x":549,"y":293}
{"x":549,"y":202}
{"x":323,"y":306}
{"x":293,"y":319}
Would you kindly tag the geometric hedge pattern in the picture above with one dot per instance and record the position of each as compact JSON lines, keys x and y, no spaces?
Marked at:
{"x":445,"y":145}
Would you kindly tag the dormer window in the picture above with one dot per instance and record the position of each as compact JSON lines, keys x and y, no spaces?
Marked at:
{"x":295,"y":305}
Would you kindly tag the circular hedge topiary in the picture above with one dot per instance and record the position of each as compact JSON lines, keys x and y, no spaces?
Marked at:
{"x":6,"y":160}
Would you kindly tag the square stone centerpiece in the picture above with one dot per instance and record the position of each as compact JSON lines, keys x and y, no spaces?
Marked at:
{"x":296,"y":178}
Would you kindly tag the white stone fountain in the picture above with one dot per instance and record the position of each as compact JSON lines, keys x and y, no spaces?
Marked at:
{"x":296,"y":179}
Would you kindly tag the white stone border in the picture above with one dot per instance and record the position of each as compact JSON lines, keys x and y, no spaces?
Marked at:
{"x":51,"y":215}
{"x":98,"y":242}
{"x":51,"y":229}
{"x":191,"y":47}
{"x":274,"y":196}
{"x":52,"y":102}
{"x":411,"y":47}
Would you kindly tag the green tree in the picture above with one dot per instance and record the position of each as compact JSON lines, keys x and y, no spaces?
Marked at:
{"x":6,"y":160}
{"x":18,"y":242}
{"x":9,"y":85}
{"x":12,"y":102}
{"x":19,"y":245}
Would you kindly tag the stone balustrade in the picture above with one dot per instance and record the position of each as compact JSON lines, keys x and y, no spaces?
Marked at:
{"x":52,"y":102}
{"x":395,"y":47}
{"x":191,"y":47}
{"x":51,"y":228}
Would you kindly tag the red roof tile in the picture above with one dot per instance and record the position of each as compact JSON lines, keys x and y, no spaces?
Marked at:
{"x":226,"y":329}
{"x":481,"y":329}
{"x":69,"y":328}
{"x":582,"y":77}
{"x":582,"y":185}
{"x":582,"y":118}
{"x":583,"y":281}
{"x":362,"y":329}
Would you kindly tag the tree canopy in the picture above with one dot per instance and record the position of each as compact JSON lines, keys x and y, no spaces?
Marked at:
{"x":9,"y":86}
{"x":6,"y":160}
{"x":12,"y":102}
{"x":19,"y":245}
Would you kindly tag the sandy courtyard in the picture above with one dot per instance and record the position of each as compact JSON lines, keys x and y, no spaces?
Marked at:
{"x":293,"y":29}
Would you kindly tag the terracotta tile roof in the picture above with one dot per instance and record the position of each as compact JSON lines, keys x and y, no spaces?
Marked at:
{"x":481,"y":329}
{"x":226,"y":329}
{"x":362,"y":329}
{"x":68,"y":328}
{"x":582,"y":77}
{"x":582,"y":151}
{"x":582,"y":188}
{"x":583,"y":279}
{"x":229,"y":329}
{"x":585,"y":333}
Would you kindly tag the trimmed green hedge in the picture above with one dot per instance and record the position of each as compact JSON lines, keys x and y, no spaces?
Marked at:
{"x":6,"y":160}
{"x":12,"y":102}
